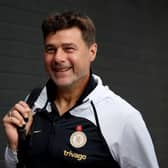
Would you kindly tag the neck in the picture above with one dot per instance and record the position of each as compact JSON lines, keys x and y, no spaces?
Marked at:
{"x":68,"y":96}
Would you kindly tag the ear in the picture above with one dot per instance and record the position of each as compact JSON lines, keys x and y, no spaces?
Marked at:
{"x":93,"y":51}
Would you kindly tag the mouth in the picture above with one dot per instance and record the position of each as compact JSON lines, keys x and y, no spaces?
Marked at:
{"x":61,"y":69}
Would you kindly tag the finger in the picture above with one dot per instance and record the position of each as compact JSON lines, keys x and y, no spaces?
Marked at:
{"x":28,"y":110}
{"x":24,"y":104}
{"x":18,"y":116}
{"x":22,"y":109}
{"x":9,"y":114}
{"x":15,"y":121}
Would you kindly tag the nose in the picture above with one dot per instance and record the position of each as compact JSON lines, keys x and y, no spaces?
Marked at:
{"x":59,"y":55}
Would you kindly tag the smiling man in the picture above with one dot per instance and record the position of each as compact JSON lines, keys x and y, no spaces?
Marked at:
{"x":68,"y":58}
{"x":74,"y":120}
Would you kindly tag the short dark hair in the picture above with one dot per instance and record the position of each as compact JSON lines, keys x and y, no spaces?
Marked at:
{"x":69,"y":19}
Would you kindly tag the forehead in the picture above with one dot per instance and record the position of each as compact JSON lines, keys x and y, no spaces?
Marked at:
{"x":69,"y":35}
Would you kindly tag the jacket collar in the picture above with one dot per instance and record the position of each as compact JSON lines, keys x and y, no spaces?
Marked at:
{"x":48,"y":93}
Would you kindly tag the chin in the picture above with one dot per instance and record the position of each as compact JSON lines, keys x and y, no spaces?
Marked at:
{"x":63,"y":83}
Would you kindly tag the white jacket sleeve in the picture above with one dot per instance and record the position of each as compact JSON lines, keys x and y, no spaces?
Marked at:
{"x":135,"y":145}
{"x":10,"y":158}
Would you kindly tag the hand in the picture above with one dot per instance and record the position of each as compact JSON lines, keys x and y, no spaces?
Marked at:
{"x":16,"y":117}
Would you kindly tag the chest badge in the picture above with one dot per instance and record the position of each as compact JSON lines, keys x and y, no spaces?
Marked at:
{"x":78,"y":138}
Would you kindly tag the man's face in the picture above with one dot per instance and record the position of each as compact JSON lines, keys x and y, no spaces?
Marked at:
{"x":67,"y":58}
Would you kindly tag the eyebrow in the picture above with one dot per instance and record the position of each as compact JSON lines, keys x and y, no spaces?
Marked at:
{"x":63,"y":44}
{"x":69,"y":44}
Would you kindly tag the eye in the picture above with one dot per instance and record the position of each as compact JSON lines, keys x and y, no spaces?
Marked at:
{"x":69,"y":49}
{"x":50,"y":50}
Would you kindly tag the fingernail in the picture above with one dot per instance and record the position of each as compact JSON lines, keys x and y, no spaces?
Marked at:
{"x":23,"y":122}
{"x":23,"y":126}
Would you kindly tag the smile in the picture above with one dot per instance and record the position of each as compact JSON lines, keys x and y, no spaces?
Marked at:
{"x":62,"y":69}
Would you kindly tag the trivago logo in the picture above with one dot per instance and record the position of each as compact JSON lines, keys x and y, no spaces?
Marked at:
{"x":76,"y":156}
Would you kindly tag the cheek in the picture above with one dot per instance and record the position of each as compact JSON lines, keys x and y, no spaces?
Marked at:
{"x":47,"y":64}
{"x":47,"y":60}
{"x":81,"y":64}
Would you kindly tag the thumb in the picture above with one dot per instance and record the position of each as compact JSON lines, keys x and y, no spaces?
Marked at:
{"x":29,"y":122}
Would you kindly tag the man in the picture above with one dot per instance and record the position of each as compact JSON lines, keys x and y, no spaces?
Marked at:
{"x":75,"y":120}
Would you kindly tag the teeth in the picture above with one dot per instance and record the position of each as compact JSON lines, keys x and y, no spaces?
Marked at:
{"x":61,"y":69}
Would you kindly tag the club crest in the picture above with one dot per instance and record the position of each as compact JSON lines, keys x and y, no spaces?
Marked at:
{"x":78,"y":139}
